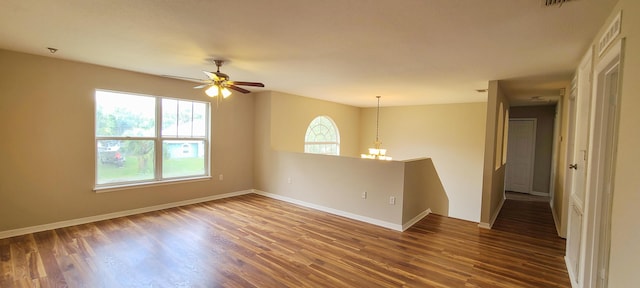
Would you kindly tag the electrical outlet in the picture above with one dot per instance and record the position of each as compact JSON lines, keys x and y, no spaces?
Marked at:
{"x":220,"y":177}
{"x":364,"y":195}
{"x":392,"y":200}
{"x":289,"y":180}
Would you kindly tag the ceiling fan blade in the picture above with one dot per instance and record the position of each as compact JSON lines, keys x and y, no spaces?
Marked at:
{"x":211,"y":75}
{"x":242,"y":90}
{"x":201,"y":86}
{"x":242,"y":83}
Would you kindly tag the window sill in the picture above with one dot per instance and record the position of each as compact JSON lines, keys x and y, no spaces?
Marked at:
{"x":112,"y":188}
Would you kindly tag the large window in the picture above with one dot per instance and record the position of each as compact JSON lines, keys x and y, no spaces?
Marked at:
{"x":142,"y":139}
{"x":322,"y":137}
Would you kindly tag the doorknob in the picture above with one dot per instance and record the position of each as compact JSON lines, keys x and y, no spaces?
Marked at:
{"x":573,"y":166}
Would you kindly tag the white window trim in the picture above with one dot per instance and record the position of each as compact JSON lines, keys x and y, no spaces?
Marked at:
{"x":128,"y":186}
{"x":158,"y":140}
{"x":337,"y":132}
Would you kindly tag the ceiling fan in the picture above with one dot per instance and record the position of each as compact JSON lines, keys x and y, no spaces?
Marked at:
{"x":219,"y":83}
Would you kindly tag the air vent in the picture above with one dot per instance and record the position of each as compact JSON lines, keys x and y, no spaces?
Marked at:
{"x":610,"y":34}
{"x":554,"y":2}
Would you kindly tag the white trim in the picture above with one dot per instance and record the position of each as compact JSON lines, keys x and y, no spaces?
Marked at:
{"x":484,"y":225}
{"x":85,"y":220}
{"x":538,"y":193}
{"x":556,"y":222}
{"x":349,"y":215}
{"x":572,"y":278}
{"x":613,"y":30}
{"x":415,"y":220}
{"x":555,"y":149}
{"x":112,"y":188}
{"x":90,"y":219}
{"x":533,"y":154}
{"x":602,"y":139}
{"x":335,"y":127}
{"x":577,"y":203}
{"x":489,"y":225}
{"x":158,"y":140}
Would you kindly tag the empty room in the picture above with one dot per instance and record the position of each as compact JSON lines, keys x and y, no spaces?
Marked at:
{"x":350,"y":143}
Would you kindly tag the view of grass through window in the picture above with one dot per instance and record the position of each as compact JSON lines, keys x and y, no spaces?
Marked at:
{"x":128,"y":139}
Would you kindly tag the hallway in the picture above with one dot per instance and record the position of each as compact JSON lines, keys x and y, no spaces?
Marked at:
{"x":530,"y":222}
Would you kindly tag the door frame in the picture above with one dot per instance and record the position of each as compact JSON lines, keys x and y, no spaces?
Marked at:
{"x":557,"y":117}
{"x":603,"y":140}
{"x":568,"y":157}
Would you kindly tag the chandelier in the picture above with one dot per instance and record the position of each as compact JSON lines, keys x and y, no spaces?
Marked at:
{"x":376,"y":152}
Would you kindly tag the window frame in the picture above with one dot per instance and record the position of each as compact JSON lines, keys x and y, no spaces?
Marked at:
{"x":158,"y":141}
{"x":337,"y":132}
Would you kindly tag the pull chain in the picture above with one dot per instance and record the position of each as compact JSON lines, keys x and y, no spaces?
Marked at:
{"x":378,"y":119}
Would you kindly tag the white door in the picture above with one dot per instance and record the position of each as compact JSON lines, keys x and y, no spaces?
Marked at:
{"x":581,"y":141}
{"x":520,"y":155}
{"x":578,"y":132}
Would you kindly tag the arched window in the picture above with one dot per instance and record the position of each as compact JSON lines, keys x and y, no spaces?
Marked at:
{"x":322,"y":137}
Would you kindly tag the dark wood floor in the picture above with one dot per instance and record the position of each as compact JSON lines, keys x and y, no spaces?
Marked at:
{"x":254,"y":241}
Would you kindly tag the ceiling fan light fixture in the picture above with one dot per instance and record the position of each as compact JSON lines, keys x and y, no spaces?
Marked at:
{"x":218,"y":83}
{"x":212,"y":91}
{"x":225,"y":92}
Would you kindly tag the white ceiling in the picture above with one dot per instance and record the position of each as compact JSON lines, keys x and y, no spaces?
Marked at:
{"x":347,"y":51}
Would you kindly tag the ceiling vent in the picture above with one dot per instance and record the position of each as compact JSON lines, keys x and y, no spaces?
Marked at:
{"x":554,"y":2}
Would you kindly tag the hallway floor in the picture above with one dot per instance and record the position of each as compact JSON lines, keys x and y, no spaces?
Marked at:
{"x":532,"y":221}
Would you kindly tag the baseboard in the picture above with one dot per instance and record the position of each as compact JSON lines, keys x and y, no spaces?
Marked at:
{"x":415,"y":220}
{"x":572,"y":277}
{"x":85,"y":220}
{"x":489,"y":225}
{"x":536,"y":193}
{"x":484,"y":225}
{"x":349,"y":215}
{"x":555,"y":221}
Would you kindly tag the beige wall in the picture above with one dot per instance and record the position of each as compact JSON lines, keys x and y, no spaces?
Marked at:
{"x":291,"y":115}
{"x":338,"y":182}
{"x":452,"y":135}
{"x":41,"y":182}
{"x":625,"y":231}
{"x":46,"y":121}
{"x":423,"y":190}
{"x":262,"y":138}
{"x":493,"y":178}
{"x":336,"y":185}
{"x":326,"y":181}
{"x":545,"y":116}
